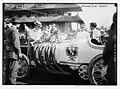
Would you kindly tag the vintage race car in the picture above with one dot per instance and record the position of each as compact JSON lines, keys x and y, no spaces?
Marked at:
{"x":66,"y":57}
{"x":73,"y":52}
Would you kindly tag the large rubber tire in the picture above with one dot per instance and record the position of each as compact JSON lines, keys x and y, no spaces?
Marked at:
{"x":97,"y":62}
{"x":24,"y":67}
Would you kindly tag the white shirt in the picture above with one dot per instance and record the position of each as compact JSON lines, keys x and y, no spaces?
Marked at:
{"x":96,"y":34}
{"x":27,"y":29}
{"x":34,"y":34}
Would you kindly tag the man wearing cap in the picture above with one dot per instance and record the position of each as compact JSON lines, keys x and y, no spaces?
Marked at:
{"x":12,"y":52}
{"x":35,"y":33}
{"x":95,"y":33}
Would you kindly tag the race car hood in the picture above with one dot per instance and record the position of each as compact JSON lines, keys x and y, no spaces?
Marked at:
{"x":76,"y":51}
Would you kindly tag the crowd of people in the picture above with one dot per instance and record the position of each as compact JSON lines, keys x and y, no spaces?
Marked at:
{"x":36,"y":33}
{"x":52,"y":33}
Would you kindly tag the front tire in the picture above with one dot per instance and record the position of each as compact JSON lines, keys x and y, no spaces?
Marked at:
{"x":22,"y":67}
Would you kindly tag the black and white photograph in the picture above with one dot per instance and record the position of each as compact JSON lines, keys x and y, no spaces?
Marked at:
{"x":59,"y":43}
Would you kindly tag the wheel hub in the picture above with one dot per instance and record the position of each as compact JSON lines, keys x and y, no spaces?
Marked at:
{"x":22,"y":69}
{"x":82,"y":71}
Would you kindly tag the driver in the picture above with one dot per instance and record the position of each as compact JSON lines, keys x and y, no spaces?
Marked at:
{"x":95,"y":34}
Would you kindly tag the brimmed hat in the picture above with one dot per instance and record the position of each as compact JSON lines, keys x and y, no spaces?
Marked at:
{"x":9,"y":25}
{"x":37,"y":23}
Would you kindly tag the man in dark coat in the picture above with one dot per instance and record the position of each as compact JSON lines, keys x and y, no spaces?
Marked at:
{"x":13,"y":52}
{"x":109,"y":53}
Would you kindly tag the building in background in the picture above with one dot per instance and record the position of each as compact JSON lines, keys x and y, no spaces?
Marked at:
{"x":43,"y":12}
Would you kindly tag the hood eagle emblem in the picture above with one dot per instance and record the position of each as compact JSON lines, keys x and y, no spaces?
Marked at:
{"x":72,"y":52}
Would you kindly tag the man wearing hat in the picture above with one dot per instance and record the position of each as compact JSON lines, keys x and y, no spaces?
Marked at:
{"x":95,"y":33}
{"x":12,"y":51}
{"x":35,"y":33}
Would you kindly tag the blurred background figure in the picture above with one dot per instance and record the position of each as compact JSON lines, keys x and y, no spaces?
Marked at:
{"x":54,"y":33}
{"x":46,"y":34}
{"x":23,"y":34}
{"x":103,"y":37}
{"x":49,"y":27}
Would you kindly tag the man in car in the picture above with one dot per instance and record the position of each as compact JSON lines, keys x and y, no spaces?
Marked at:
{"x":95,"y":34}
{"x":13,"y":53}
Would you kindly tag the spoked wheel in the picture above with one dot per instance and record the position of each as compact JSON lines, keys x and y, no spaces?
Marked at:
{"x":20,"y":69}
{"x":97,"y":71}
